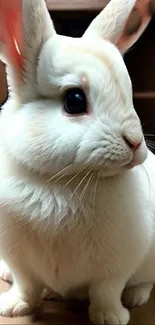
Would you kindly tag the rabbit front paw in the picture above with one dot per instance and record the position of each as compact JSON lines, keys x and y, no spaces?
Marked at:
{"x":111,"y":317}
{"x":11,"y":305}
{"x":137,"y":296}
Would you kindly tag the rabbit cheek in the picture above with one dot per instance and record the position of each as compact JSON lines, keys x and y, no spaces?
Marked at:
{"x":37,"y":129}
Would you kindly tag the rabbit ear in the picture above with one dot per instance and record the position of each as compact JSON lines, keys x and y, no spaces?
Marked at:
{"x":26,"y":26}
{"x":136,"y":24}
{"x":121,"y":22}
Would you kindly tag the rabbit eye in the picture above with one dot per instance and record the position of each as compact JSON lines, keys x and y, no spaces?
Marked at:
{"x":75,"y":102}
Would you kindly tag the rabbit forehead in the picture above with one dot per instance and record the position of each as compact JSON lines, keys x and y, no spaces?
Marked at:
{"x":69,"y":47}
{"x":69,"y":59}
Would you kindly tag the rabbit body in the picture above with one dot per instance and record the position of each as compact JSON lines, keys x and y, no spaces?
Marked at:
{"x":66,"y":243}
{"x":77,"y":182}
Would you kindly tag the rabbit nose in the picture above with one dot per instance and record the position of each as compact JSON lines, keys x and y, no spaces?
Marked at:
{"x":132,"y":144}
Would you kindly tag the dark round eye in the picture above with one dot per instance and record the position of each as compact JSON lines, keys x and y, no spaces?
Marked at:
{"x":75,"y":101}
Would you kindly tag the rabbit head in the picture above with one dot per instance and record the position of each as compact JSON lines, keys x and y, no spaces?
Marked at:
{"x":70,"y":100}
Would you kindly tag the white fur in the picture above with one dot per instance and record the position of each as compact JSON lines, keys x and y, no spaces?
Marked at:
{"x":72,"y":215}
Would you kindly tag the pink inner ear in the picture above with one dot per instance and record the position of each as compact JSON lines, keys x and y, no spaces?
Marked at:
{"x":128,"y":37}
{"x":11,"y":29}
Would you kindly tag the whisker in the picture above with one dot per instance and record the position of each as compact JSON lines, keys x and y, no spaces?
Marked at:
{"x":81,"y":170}
{"x":150,"y":145}
{"x":80,"y":183}
{"x":152,"y":120}
{"x":59,"y":173}
{"x":86,"y":186}
{"x":149,"y":135}
{"x":149,"y":140}
{"x":95,"y":192}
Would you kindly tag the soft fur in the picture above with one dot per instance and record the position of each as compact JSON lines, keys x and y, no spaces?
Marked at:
{"x":77,"y":203}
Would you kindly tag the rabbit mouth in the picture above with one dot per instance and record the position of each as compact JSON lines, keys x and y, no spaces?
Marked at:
{"x":133,"y":163}
{"x":130,"y":165}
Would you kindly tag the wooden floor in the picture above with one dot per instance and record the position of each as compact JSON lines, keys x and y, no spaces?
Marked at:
{"x":71,"y":313}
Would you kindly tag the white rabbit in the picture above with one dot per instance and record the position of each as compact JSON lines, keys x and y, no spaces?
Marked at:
{"x":77,"y":200}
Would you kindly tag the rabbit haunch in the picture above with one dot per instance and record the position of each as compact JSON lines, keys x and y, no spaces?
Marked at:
{"x":76,"y":190}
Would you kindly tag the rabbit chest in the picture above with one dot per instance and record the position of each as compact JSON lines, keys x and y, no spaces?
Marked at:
{"x":69,"y":234}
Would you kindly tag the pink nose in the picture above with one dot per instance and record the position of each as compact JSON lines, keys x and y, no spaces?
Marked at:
{"x":134,"y":145}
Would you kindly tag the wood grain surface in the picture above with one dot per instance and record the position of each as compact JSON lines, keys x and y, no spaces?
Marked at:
{"x":76,"y":4}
